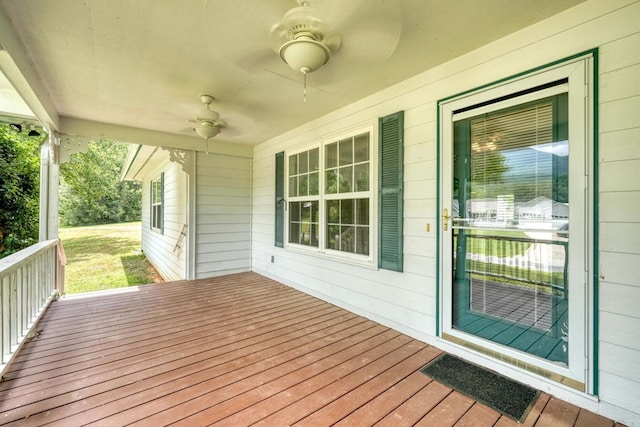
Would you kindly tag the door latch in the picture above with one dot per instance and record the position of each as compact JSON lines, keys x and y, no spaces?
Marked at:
{"x":445,"y":219}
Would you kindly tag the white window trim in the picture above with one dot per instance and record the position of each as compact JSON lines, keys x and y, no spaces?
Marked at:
{"x":322,"y":251}
{"x":153,"y":204}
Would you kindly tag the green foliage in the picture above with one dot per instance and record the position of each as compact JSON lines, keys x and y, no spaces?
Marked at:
{"x":19,"y":190}
{"x":91,"y":191}
{"x":489,"y":167}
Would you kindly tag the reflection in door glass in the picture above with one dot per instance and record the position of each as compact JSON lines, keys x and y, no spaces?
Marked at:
{"x":510,"y":234}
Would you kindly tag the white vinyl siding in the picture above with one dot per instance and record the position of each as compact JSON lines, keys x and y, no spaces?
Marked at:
{"x":223,"y":212}
{"x":619,"y":255}
{"x":407,"y":301}
{"x":159,"y":247}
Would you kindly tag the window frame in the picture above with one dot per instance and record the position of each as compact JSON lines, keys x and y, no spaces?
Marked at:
{"x":157,"y":206}
{"x":323,"y":197}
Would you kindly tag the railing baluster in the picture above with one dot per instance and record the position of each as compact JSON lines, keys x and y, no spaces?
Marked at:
{"x":27,"y":285}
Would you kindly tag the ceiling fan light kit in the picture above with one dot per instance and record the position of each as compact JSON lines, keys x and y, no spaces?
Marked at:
{"x":206,"y":130}
{"x":304,"y":53}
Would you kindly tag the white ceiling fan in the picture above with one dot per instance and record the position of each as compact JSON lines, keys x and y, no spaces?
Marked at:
{"x":307,"y":39}
{"x":315,"y":32}
{"x":208,"y":123}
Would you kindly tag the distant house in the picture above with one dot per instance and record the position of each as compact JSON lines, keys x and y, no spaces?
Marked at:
{"x":542,"y":208}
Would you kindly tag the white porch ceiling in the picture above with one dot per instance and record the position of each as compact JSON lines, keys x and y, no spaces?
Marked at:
{"x":143,"y":63}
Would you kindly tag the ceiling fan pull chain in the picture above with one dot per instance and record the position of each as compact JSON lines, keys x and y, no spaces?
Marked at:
{"x":305,"y":71}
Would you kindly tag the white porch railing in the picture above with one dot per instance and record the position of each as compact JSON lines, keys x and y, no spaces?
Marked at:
{"x":29,"y":281}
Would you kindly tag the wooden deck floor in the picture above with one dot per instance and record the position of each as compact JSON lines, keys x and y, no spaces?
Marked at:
{"x":235,"y":350}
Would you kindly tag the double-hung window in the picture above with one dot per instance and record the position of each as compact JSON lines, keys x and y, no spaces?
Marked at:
{"x":330,"y":192}
{"x":304,"y":197}
{"x":157,"y":196}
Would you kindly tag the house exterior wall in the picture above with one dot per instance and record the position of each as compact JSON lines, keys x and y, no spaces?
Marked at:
{"x":159,"y":247}
{"x":407,"y":301}
{"x":223,"y":215}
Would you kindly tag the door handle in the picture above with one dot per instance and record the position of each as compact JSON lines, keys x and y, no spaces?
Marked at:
{"x":445,"y":219}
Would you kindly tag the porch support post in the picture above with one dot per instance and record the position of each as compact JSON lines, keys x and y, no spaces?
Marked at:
{"x":49,"y":188}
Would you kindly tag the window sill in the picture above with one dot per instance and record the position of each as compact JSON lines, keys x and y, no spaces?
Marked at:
{"x":329,"y":255}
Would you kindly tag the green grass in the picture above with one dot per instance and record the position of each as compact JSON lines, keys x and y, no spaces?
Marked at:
{"x":105,"y":257}
{"x":499,"y":248}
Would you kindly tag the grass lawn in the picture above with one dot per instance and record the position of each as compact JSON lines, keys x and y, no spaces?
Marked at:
{"x":105,"y":257}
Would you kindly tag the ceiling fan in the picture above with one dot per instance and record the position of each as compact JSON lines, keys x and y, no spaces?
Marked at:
{"x":314,"y":32}
{"x":308,"y":41}
{"x":208,"y":123}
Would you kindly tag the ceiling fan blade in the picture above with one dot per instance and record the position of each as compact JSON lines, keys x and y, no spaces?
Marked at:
{"x":373,"y":33}
{"x":256,"y":59}
{"x":338,"y":12}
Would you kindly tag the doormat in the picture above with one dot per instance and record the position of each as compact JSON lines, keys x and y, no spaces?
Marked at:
{"x":506,"y":396}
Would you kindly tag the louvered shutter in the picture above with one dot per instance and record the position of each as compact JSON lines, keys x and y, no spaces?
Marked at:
{"x":279,"y":200}
{"x":390,"y":196}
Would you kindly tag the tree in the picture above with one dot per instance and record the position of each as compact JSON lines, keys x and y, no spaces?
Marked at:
{"x":19,"y":189}
{"x":91,"y":191}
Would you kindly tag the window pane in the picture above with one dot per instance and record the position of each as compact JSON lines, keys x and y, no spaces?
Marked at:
{"x":314,"y":183}
{"x":303,"y":185}
{"x":331,"y":181}
{"x":361,"y":148}
{"x":314,"y":160}
{"x":303,"y":162}
{"x":331,"y":155}
{"x":305,"y":212}
{"x":294,"y":232}
{"x":333,"y":211}
{"x":293,"y":186}
{"x":362,"y":240}
{"x":315,"y":229}
{"x":333,"y":237}
{"x":348,"y":239}
{"x":346,"y":179}
{"x":294,"y":211}
{"x":293,"y":165}
{"x":346,"y":151}
{"x":303,"y":223}
{"x":347,"y":212}
{"x":362,"y":211}
{"x":512,"y":166}
{"x":362,"y":177}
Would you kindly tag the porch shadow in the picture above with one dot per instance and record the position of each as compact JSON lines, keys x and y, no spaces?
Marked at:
{"x":138,"y":270}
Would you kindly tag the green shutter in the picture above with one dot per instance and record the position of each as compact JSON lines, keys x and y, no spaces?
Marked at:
{"x":390,"y":196}
{"x":162,"y":203}
{"x":279,"y":200}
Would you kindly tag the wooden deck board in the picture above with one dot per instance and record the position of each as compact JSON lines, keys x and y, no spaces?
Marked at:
{"x":235,"y":350}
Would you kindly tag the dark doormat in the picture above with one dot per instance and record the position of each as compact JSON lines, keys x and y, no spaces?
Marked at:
{"x":500,"y":393}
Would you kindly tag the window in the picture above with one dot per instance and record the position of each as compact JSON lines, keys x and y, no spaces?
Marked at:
{"x":304,"y":172}
{"x":330,"y":196}
{"x":347,"y":175}
{"x":157,"y":198}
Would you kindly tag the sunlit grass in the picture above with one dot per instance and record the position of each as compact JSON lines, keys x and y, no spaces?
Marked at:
{"x":105,"y":257}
